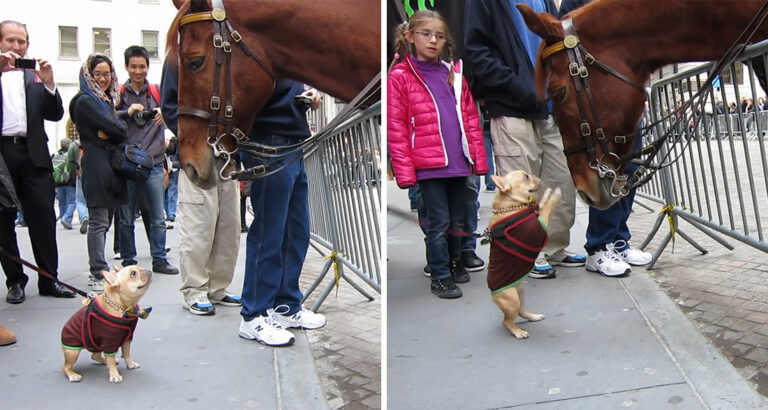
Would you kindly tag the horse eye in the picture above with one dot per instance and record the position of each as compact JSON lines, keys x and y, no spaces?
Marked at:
{"x":194,"y":64}
{"x":558,"y":95}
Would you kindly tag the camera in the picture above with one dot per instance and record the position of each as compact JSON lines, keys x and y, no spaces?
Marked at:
{"x":142,"y":117}
{"x":29,"y":63}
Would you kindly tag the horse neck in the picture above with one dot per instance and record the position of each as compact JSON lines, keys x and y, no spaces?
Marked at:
{"x":662,"y":32}
{"x":318,"y":43}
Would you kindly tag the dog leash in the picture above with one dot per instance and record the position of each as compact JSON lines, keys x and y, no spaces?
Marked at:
{"x":44,"y":273}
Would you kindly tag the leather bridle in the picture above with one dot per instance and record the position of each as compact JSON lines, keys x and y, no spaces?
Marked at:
{"x":222,"y":31}
{"x":579,"y":58}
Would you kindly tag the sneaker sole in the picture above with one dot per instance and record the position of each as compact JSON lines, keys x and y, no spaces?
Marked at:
{"x":475,"y":269}
{"x":567,"y":264}
{"x":591,"y":269}
{"x":248,"y":337}
{"x":229,"y":304}
{"x":185,"y":306}
{"x":448,"y":296}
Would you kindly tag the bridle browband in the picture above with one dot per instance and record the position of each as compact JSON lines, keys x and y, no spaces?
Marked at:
{"x":222,"y":31}
{"x":579,"y":58}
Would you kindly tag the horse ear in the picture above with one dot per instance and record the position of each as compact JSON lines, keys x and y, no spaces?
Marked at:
{"x":196,"y":6}
{"x":178,"y":3}
{"x":547,"y":26}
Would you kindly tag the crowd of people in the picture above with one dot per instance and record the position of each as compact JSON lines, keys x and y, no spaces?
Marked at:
{"x":104,"y":116}
{"x":439,"y":146}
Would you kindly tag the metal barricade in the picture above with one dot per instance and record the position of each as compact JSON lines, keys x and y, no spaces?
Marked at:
{"x":715,"y":173}
{"x":344,"y":178}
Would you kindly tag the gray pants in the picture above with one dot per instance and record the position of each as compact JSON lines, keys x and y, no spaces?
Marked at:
{"x":98,"y":224}
{"x":535,"y":146}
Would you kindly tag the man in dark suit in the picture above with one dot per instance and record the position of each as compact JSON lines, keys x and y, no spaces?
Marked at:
{"x":27,"y":97}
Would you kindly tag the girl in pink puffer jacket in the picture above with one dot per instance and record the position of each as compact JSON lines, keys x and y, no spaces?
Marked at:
{"x":434,"y":139}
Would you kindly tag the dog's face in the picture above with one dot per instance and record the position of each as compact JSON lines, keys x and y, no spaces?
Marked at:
{"x":517,"y":187}
{"x":128,"y":284}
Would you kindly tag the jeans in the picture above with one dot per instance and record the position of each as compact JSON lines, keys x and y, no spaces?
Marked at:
{"x":609,"y":225}
{"x":468,"y":239}
{"x":82,"y":208}
{"x":445,"y":202}
{"x":66,"y":196}
{"x":278,"y":237}
{"x":155,"y":194}
{"x":98,"y":224}
{"x":172,"y":194}
{"x":488,"y":155}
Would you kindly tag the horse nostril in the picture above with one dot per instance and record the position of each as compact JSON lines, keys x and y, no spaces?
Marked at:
{"x":192,"y":173}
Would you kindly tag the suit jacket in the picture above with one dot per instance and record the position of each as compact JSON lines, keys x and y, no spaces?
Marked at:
{"x":41,"y":105}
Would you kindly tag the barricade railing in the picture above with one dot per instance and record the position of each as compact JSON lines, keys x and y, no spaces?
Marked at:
{"x":344,"y":178}
{"x":715,"y":173}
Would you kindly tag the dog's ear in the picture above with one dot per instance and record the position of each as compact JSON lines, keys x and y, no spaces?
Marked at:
{"x":500,"y":182}
{"x":110,"y":278}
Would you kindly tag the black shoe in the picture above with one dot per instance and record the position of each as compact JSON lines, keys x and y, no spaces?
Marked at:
{"x":66,"y":225}
{"x":458,"y":272}
{"x":84,"y":226}
{"x":445,"y":289}
{"x":171,"y":218}
{"x":57,"y":291}
{"x":243,"y":229}
{"x":15,"y":294}
{"x":129,"y":262}
{"x":164,"y":267}
{"x":427,"y":271}
{"x":471,"y":261}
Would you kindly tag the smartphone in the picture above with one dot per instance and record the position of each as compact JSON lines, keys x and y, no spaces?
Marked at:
{"x":26,"y":63}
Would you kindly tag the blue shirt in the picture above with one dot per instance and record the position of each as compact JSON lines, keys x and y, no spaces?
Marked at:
{"x":530,"y":40}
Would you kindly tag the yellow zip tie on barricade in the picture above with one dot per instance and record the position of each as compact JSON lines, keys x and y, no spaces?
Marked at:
{"x":336,"y":274}
{"x":668,"y":210}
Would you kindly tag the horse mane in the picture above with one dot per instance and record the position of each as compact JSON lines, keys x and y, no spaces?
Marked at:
{"x":172,"y":38}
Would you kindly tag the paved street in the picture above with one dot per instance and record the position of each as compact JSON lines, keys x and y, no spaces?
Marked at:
{"x":190,"y":361}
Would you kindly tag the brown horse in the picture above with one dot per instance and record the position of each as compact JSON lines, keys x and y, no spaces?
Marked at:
{"x":632,"y":38}
{"x":333,"y":45}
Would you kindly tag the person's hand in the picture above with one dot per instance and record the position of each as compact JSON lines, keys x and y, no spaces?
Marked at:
{"x":135,"y":107}
{"x":314,"y":96}
{"x":45,"y":72}
{"x":102,"y":135}
{"x":158,"y":117}
{"x":7,"y":60}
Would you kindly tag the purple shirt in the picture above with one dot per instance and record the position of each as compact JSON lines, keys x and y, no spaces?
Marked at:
{"x":436,"y":77}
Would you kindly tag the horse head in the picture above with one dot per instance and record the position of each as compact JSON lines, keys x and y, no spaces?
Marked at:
{"x":221,"y":88}
{"x":597,"y":107}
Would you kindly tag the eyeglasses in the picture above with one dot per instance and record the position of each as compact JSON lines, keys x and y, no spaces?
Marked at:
{"x":102,"y":75}
{"x":427,"y":35}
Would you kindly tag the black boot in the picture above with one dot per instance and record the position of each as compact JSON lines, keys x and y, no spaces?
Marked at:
{"x":471,"y":261}
{"x":458,"y":272}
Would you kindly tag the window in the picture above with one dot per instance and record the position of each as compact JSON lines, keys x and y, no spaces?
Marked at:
{"x":149,"y":41}
{"x":68,"y":42}
{"x":102,"y":41}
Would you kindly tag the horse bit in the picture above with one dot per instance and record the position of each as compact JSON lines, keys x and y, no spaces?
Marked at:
{"x":578,"y":56}
{"x":222,"y":30}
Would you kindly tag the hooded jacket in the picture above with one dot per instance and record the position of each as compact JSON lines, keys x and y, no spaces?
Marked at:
{"x":414,"y":137}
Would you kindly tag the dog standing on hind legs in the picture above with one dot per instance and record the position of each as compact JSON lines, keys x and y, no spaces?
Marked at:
{"x":518,"y":231}
{"x":106,"y":322}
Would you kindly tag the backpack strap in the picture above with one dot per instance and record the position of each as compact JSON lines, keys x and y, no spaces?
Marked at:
{"x":152,"y":90}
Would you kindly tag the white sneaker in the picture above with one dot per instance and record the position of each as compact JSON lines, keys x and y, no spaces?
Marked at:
{"x":607,"y":263}
{"x":636,"y":257}
{"x":303,"y":319}
{"x":265,"y":330}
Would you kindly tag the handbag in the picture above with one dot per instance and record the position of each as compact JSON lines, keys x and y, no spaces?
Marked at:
{"x":132,"y":163}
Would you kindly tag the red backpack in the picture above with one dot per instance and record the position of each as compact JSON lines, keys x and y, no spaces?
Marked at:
{"x":152,"y":89}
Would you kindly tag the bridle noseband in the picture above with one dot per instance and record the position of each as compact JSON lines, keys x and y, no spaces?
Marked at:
{"x":222,"y":31}
{"x":579,"y":58}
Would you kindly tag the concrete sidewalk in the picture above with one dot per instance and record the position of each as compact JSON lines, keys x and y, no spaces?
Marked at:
{"x":606,"y":343}
{"x":187,"y":361}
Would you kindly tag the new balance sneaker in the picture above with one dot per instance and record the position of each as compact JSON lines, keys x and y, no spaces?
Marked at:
{"x":607,"y":263}
{"x":228,"y":300}
{"x":303,"y":319}
{"x":542,"y":269}
{"x":445,"y":288}
{"x":471,"y":261}
{"x":265,"y":330}
{"x":567,"y":259}
{"x":200,"y":307}
{"x":458,"y":272}
{"x":635,"y":257}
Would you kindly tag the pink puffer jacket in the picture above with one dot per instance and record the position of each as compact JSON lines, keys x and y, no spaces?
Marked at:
{"x":413,"y":130}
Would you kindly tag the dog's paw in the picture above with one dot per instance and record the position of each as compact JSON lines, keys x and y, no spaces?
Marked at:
{"x":115,"y":378}
{"x":519,"y":333}
{"x":532,"y":317}
{"x":550,"y":198}
{"x":74,"y":377}
{"x":131,"y":364}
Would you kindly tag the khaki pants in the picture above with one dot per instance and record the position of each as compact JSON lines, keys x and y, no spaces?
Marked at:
{"x":209,"y":229}
{"x":535,"y":146}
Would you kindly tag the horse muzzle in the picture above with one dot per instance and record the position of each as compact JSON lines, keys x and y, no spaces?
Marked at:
{"x":603,"y":193}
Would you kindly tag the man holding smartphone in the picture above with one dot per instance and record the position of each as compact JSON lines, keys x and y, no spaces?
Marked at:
{"x":28,"y":97}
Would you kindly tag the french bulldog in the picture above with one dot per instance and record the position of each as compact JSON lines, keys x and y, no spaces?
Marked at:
{"x":107,"y":322}
{"x":518,"y":231}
